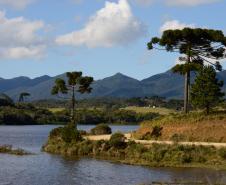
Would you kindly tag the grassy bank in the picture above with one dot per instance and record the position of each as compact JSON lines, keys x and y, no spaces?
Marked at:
{"x":116,"y":149}
{"x":159,"y":110}
{"x":195,"y":126}
{"x":7,"y":149}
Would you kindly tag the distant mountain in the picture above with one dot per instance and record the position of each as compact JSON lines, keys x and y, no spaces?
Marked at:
{"x":9,"y":84}
{"x":166,"y":84}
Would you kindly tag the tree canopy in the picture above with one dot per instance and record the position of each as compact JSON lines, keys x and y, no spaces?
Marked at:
{"x":23,"y":95}
{"x":206,"y":91}
{"x":75,"y":83}
{"x":196,"y":46}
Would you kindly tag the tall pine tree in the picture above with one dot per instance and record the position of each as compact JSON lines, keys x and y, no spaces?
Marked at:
{"x":196,"y":47}
{"x":206,"y":90}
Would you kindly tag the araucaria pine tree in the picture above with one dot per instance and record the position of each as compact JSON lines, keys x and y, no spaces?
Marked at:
{"x":196,"y":47}
{"x":206,"y":90}
{"x":75,"y":83}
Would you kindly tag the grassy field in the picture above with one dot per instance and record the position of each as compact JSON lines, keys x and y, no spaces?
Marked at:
{"x":54,"y":110}
{"x":195,"y":126}
{"x":162,"y":111}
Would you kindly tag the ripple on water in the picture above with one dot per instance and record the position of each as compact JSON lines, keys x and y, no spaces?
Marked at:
{"x":45,"y":169}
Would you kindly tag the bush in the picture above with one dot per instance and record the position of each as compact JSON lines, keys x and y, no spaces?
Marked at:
{"x":156,"y":132}
{"x":82,"y":132}
{"x":56,"y":132}
{"x":101,"y":129}
{"x":69,"y":134}
{"x":222,"y":153}
{"x":117,"y":140}
{"x":12,"y":117}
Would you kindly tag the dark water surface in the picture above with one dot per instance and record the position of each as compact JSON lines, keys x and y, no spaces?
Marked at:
{"x":46,"y":169}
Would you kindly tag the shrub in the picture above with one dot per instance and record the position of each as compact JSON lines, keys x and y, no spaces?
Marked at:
{"x":101,"y":129}
{"x":82,"y":132}
{"x":56,"y":132}
{"x":156,"y":132}
{"x":117,"y":140}
{"x":222,"y":153}
{"x":69,"y":134}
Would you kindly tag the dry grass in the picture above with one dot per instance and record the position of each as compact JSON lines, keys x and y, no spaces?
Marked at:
{"x":162,"y":111}
{"x":191,"y":127}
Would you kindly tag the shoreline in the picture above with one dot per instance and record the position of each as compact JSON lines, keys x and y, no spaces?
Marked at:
{"x":142,"y":164}
{"x":118,"y":161}
{"x":155,"y":155}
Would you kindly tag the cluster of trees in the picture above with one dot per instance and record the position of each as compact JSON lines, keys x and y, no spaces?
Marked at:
{"x":97,"y":116}
{"x":27,"y":114}
{"x":198,"y":47}
{"x":113,"y":103}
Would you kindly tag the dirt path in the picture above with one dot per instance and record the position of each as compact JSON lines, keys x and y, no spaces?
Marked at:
{"x":150,"y":142}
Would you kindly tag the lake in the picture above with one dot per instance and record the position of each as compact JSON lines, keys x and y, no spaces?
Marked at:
{"x":46,"y":169}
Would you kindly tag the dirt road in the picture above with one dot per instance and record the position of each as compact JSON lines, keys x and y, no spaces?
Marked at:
{"x":150,"y":142}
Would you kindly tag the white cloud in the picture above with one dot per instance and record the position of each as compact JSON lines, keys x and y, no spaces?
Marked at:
{"x":176,"y":2}
{"x":174,"y":24}
{"x":18,"y":4}
{"x":111,"y":26}
{"x":19,"y":38}
{"x":22,"y":52}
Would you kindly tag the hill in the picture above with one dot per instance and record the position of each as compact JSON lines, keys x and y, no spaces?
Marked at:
{"x":166,"y":84}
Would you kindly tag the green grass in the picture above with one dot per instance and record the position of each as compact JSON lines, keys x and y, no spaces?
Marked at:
{"x":162,"y":111}
{"x":7,"y":149}
{"x":156,"y":155}
{"x":54,"y":110}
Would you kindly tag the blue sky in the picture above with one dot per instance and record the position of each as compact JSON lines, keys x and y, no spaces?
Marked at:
{"x":98,"y":37}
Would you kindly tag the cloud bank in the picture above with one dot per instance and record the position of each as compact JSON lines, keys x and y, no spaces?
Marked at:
{"x":19,"y":38}
{"x":112,"y":25}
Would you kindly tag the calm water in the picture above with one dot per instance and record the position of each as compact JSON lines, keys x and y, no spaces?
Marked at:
{"x":46,"y":169}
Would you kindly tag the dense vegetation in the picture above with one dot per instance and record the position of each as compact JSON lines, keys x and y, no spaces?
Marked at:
{"x":96,"y":116}
{"x":27,"y":114}
{"x":155,"y":155}
{"x":113,"y":103}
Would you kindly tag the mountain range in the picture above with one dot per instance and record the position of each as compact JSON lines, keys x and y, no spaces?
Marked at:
{"x":166,"y":84}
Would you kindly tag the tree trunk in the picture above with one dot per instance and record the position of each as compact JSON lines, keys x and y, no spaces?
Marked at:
{"x":186,"y":91}
{"x":73,"y":108}
{"x":187,"y":86}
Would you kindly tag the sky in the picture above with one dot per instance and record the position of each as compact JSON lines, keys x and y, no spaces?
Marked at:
{"x":98,"y":37}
